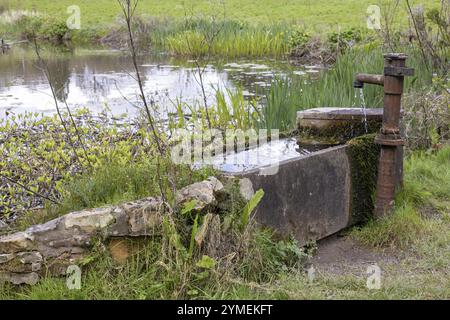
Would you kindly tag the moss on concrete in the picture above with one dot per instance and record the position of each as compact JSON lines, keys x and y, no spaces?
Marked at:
{"x":338,"y":133}
{"x":364,"y":154}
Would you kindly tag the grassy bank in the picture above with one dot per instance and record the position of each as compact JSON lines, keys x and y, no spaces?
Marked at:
{"x":238,"y":29}
{"x":314,"y":14}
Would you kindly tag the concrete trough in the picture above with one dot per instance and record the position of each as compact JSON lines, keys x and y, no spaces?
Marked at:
{"x":308,"y":197}
{"x":314,"y":195}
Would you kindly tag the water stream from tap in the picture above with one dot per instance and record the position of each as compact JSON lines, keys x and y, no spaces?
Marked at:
{"x":364,"y":108}
{"x":360,"y":102}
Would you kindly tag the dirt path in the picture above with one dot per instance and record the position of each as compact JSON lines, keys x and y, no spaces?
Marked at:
{"x":342,"y":255}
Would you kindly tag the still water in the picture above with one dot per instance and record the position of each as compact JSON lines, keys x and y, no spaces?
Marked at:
{"x":102,"y":80}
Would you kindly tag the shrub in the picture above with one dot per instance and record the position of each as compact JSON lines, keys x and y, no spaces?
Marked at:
{"x":30,"y":26}
{"x":54,"y":30}
{"x":40,"y":27}
{"x":344,"y":39}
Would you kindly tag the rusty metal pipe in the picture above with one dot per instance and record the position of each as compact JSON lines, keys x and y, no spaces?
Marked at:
{"x":390,"y":167}
{"x":362,"y":78}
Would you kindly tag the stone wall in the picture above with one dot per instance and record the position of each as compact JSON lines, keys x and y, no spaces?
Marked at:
{"x":309,"y":197}
{"x":53,"y":246}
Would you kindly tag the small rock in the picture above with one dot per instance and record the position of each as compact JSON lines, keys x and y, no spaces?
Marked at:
{"x":21,"y":262}
{"x":29,"y":257}
{"x":44,"y":228}
{"x":120,"y":226}
{"x":202,"y":192}
{"x":216,"y":184}
{"x":246,"y":189}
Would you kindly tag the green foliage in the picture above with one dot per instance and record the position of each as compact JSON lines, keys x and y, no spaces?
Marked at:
{"x":231,"y":111}
{"x":401,"y":230}
{"x":298,"y":37}
{"x":206,"y":263}
{"x":344,"y":39}
{"x":229,"y":39}
{"x":238,"y":113}
{"x":29,"y":26}
{"x":193,"y":234}
{"x":109,"y":184}
{"x":266,"y":258}
{"x":42,"y":27}
{"x":54,"y":30}
{"x":189,"y":207}
{"x":282,"y":104}
{"x":251,"y":206}
{"x":318,"y":15}
{"x":116,"y":166}
{"x":426,"y":115}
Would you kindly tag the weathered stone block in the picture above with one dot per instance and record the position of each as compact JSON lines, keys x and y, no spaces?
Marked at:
{"x":90,"y":220}
{"x":45,"y":228}
{"x":21,"y":262}
{"x":6,"y":257}
{"x":16,"y":242}
{"x":120,"y":226}
{"x":144,"y":216}
{"x":202,"y":192}
{"x":20,"y":278}
{"x":62,"y":241}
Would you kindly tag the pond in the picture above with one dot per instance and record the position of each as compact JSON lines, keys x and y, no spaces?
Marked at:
{"x":103,"y":80}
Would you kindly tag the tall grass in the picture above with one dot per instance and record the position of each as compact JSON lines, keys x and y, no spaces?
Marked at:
{"x":233,"y":39}
{"x":334,"y":87}
{"x":286,"y":95}
{"x":282,"y":101}
{"x":230,"y":111}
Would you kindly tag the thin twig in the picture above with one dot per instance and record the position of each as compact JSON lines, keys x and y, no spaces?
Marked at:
{"x":29,"y":190}
{"x":128,"y":9}
{"x":44,"y":69}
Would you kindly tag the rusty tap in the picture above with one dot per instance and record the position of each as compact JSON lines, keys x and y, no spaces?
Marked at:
{"x":390,"y":167}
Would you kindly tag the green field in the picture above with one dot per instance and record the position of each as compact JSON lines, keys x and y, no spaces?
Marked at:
{"x":315,"y":14}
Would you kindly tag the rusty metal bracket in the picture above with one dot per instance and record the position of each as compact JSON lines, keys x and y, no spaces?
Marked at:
{"x":389,"y":140}
{"x":398,"y":71}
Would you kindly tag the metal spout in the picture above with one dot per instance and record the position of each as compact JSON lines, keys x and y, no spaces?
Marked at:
{"x":362,"y":78}
{"x":358,"y":84}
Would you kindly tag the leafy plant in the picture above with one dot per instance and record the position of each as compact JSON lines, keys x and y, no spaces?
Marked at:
{"x":250,"y":207}
{"x":206,"y":263}
{"x":298,"y":37}
{"x":344,"y":39}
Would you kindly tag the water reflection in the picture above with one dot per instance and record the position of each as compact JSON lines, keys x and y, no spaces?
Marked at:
{"x":97,"y":79}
